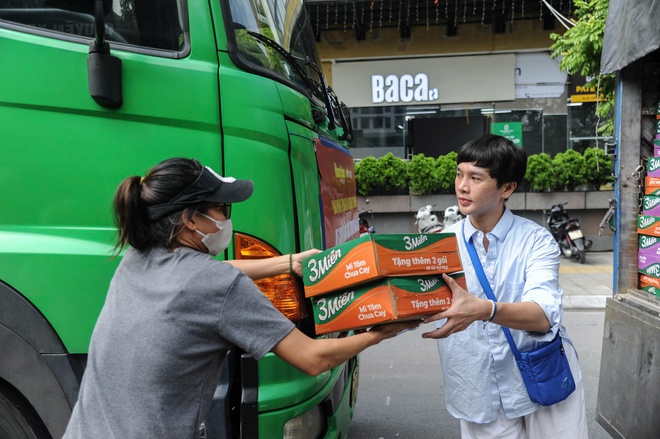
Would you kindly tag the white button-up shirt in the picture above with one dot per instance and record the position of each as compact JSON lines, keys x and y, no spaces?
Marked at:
{"x":480,"y":372}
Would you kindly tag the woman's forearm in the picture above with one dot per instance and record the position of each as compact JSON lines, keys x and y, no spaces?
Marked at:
{"x":260,"y":268}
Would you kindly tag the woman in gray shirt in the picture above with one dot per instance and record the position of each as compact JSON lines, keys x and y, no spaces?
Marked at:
{"x":172,"y":309}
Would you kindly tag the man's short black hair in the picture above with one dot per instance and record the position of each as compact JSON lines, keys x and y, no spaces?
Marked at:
{"x":504,"y":160}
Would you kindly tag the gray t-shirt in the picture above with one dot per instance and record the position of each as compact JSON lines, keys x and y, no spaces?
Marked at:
{"x":154,"y":357}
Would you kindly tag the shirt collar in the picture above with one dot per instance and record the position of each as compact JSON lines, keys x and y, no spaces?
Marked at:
{"x":503,"y":226}
{"x":500,"y":230}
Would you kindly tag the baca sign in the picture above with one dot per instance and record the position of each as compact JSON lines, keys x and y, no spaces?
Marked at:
{"x":407,"y":88}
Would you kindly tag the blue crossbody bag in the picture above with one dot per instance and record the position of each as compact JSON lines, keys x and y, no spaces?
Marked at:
{"x":545,"y":370}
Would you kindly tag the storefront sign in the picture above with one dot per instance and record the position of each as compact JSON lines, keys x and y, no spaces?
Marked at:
{"x":510,"y":130}
{"x":580,"y":92}
{"x":439,"y":80}
{"x":407,"y":88}
{"x":537,"y":75}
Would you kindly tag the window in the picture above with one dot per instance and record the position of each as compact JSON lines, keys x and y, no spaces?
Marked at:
{"x":583,"y":122}
{"x":377,"y":119}
{"x":156,"y":24}
{"x":276,"y":36}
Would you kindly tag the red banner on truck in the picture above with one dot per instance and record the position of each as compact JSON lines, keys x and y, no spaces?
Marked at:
{"x":338,"y":192}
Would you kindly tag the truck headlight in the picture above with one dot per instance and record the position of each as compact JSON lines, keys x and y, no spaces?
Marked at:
{"x":284,"y":291}
{"x":309,"y":425}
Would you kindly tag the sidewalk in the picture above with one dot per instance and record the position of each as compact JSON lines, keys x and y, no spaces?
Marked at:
{"x":588,"y":285}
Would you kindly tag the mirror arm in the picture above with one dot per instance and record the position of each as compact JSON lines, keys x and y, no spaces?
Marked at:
{"x":103,"y":69}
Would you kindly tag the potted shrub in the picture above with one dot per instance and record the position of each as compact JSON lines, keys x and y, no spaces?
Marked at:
{"x":423,"y":175}
{"x":446,"y":165}
{"x":367,"y":176}
{"x":540,"y":174}
{"x":569,"y":169}
{"x":394,"y":173}
{"x":598,"y":167}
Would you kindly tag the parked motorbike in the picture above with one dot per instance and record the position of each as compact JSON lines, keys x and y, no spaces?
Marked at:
{"x":568,"y":233}
{"x":452,"y":216}
{"x":364,"y":224}
{"x":428,"y":222}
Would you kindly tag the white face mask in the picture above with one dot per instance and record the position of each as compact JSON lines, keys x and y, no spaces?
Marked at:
{"x":217,"y":242}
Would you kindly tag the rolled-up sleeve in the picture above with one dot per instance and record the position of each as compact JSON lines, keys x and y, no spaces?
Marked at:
{"x":542,"y":281}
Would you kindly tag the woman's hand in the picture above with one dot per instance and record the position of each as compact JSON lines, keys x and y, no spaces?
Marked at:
{"x":298,"y":258}
{"x":316,"y":355}
{"x":268,"y":267}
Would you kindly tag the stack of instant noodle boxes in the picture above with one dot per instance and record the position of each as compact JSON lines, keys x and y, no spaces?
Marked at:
{"x":378,"y":278}
{"x":648,"y":223}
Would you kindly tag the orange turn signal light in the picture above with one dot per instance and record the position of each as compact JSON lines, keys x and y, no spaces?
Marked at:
{"x":283,"y":290}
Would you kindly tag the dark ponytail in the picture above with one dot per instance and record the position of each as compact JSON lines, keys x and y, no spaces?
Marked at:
{"x":161,"y":184}
{"x":130,"y":215}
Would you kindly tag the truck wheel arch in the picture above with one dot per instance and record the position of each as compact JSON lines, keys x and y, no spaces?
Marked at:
{"x":38,"y":366}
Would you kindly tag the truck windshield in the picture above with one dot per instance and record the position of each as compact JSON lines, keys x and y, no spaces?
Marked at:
{"x":276,"y":35}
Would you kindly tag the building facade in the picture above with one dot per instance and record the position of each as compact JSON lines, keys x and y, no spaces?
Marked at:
{"x":425,"y":76}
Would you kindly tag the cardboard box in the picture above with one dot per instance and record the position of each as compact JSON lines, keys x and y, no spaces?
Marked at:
{"x":652,"y":185}
{"x":651,"y":289}
{"x":648,"y":265}
{"x":653,"y":167}
{"x":375,"y":256}
{"x":650,"y":284}
{"x":649,"y":244}
{"x":385,"y":300}
{"x":656,"y":146}
{"x":648,"y":225}
{"x":649,"y":280}
{"x":651,"y":205}
{"x":648,"y":254}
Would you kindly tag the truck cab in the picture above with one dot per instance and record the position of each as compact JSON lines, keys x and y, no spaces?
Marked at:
{"x":95,"y":91}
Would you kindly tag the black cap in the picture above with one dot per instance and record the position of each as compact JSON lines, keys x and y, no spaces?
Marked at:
{"x":209,"y":187}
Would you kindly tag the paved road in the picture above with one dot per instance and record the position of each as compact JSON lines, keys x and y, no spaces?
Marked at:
{"x":401,"y":392}
{"x":586,"y":286}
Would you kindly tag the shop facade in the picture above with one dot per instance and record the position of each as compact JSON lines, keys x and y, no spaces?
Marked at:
{"x":426,"y":76}
{"x":439,"y":82}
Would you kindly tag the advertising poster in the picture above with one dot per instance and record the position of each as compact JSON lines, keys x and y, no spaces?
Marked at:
{"x":338,"y":192}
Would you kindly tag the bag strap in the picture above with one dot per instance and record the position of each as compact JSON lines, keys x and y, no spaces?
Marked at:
{"x":486,"y":286}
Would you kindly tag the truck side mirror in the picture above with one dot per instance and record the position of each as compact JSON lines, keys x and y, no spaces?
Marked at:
{"x":103,"y":69}
{"x":347,"y":123}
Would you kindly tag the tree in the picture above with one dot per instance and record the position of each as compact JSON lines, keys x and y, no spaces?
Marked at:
{"x":569,"y":167}
{"x":367,"y":175}
{"x":580,"y":48}
{"x":423,"y":175}
{"x":540,"y":174}
{"x":598,"y":167}
{"x":446,"y":165}
{"x":394,"y":172}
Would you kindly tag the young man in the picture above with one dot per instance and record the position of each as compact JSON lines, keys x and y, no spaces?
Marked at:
{"x":483,"y":386}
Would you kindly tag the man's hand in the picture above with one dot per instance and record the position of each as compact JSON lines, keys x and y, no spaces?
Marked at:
{"x":389,"y":330}
{"x":465,"y":309}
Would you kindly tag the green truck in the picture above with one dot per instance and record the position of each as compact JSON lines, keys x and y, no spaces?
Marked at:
{"x":94,"y":91}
